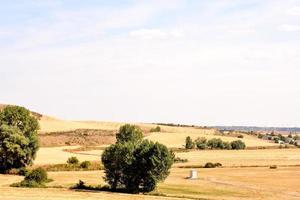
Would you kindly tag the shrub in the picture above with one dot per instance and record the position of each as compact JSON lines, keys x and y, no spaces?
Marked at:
{"x":180,"y":160}
{"x":240,"y":136}
{"x":215,"y":143}
{"x":209,"y":165}
{"x":23,"y":171}
{"x":238,"y":144}
{"x":18,"y":138}
{"x":38,"y":175}
{"x":35,"y":178}
{"x":85,"y":164}
{"x":73,"y":160}
{"x":273,"y":167}
{"x":189,"y":144}
{"x":156,"y":129}
{"x":201,"y":143}
{"x":218,"y":164}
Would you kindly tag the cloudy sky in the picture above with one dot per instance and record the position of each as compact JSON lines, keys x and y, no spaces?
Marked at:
{"x":216,"y":62}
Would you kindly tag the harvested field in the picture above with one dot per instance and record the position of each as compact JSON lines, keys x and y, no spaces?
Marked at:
{"x":217,"y":183}
{"x":243,"y":157}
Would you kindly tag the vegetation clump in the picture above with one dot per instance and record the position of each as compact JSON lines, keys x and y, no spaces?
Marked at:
{"x":18,"y":138}
{"x":212,"y":165}
{"x":214,"y":143}
{"x":35,"y":178}
{"x":133,"y":164}
{"x":73,"y":160}
{"x":180,"y":160}
{"x":156,"y":129}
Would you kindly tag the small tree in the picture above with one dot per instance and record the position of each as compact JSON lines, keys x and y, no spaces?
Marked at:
{"x":129,"y":133}
{"x":18,"y":138}
{"x":189,"y":144}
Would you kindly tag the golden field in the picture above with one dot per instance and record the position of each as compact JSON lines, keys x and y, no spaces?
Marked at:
{"x":217,"y":183}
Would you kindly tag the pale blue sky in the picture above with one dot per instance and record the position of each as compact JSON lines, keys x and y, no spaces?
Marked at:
{"x":216,"y":62}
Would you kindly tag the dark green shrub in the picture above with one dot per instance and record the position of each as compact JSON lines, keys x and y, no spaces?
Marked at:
{"x":38,"y":175}
{"x":218,"y":165}
{"x":73,"y":160}
{"x":209,"y":165}
{"x":23,"y":171}
{"x":201,"y":143}
{"x":189,"y":144}
{"x":215,"y":143}
{"x":273,"y":167}
{"x":238,"y":144}
{"x":240,"y":136}
{"x":180,"y":160}
{"x":85,"y":164}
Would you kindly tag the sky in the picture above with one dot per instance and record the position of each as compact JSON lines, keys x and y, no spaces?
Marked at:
{"x":216,"y":62}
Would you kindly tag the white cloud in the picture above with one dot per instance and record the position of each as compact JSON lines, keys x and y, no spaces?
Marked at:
{"x":295,"y":11}
{"x":289,"y":27}
{"x":155,"y":34}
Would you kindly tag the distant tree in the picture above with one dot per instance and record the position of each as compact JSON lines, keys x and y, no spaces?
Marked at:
{"x":215,"y":143}
{"x":238,"y":144}
{"x":189,"y":144}
{"x":18,"y":138}
{"x":130,"y":133}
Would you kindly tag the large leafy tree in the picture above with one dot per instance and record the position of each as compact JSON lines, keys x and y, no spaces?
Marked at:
{"x":136,"y":165}
{"x":18,"y":138}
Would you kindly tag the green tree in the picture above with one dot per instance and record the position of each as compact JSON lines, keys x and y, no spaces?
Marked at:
{"x":18,"y":138}
{"x":201,"y":143}
{"x":156,"y":129}
{"x":136,"y":165}
{"x":189,"y":144}
{"x":130,"y":133}
{"x":73,"y":160}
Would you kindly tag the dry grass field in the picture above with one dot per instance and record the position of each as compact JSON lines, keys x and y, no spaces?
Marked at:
{"x":218,"y":183}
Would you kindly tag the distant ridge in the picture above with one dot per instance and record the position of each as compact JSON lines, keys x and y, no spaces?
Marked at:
{"x":258,"y":128}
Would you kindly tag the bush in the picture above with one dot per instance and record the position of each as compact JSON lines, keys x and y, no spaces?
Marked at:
{"x":240,"y":136}
{"x":212,"y":165}
{"x":238,"y":144}
{"x":201,"y":143}
{"x":215,"y":143}
{"x":85,"y":164}
{"x":156,"y":129}
{"x":35,"y":178}
{"x":209,"y":165}
{"x":73,"y":160}
{"x":189,"y":144}
{"x":180,"y":160}
{"x":39,"y":175}
{"x":18,"y":138}
{"x":23,"y":171}
{"x":273,"y":167}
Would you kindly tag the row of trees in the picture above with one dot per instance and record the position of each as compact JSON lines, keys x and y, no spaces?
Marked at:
{"x":135,"y":165}
{"x":214,"y":143}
